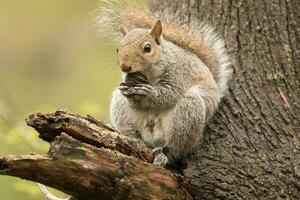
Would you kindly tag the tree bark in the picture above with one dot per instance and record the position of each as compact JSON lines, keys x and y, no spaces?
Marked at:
{"x":90,"y":160}
{"x":251,"y":148}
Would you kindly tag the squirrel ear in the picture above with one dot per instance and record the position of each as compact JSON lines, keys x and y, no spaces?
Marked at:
{"x":156,"y":31}
{"x":124,"y":30}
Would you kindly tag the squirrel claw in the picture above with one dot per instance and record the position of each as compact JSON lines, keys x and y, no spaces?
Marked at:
{"x":123,"y":88}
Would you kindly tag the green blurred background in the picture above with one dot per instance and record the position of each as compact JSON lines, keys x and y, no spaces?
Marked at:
{"x":50,"y":57}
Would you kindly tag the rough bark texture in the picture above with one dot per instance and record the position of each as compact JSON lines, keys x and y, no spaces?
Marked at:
{"x":88,"y":130}
{"x":252,"y":145}
{"x":89,"y":160}
{"x":251,"y":148}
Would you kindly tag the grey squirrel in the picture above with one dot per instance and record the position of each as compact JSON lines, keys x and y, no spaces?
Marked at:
{"x":174,"y":76}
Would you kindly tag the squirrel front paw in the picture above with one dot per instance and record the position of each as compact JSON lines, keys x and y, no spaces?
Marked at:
{"x":144,"y":89}
{"x":125,"y":91}
{"x":160,"y":158}
{"x":139,"y":89}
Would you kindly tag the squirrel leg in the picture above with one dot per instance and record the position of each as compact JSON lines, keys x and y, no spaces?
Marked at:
{"x":183,"y":126}
{"x":121,"y":117}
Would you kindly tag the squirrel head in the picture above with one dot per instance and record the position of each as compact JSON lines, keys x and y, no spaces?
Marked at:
{"x":139,"y":48}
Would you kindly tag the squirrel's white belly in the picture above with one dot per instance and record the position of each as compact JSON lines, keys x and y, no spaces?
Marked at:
{"x":152,"y":128}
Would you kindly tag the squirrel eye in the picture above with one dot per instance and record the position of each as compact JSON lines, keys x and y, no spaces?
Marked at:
{"x":147,"y":48}
{"x":117,"y":50}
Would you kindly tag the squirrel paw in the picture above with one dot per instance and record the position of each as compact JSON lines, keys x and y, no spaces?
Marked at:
{"x":140,"y":89}
{"x":128,"y":93}
{"x":144,"y":89}
{"x":159,"y":157}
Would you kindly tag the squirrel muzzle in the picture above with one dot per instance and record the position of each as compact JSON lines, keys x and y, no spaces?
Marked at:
{"x":125,"y":68}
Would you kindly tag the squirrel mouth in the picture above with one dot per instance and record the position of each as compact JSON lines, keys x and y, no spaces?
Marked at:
{"x":126,"y":68}
{"x":130,"y":70}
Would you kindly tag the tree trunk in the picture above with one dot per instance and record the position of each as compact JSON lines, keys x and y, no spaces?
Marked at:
{"x":252,"y":145}
{"x":251,"y":148}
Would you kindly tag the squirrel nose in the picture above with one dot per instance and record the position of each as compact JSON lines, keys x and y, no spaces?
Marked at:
{"x":125,"y":68}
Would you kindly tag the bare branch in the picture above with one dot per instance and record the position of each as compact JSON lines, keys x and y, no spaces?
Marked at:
{"x":85,"y":162}
{"x":88,"y":130}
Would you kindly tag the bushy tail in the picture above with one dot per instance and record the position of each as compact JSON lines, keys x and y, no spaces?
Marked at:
{"x":117,"y":13}
{"x":187,"y":33}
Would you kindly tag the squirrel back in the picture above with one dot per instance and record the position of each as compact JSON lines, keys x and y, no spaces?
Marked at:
{"x":194,"y":37}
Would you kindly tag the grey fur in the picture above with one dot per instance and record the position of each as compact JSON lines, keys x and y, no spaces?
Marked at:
{"x":170,"y":111}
